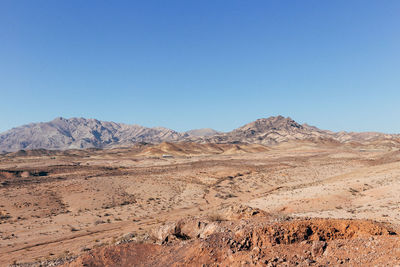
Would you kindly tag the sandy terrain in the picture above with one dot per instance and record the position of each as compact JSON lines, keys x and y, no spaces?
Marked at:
{"x":62,"y":204}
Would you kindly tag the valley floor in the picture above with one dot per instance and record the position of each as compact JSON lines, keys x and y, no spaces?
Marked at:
{"x":65,"y":204}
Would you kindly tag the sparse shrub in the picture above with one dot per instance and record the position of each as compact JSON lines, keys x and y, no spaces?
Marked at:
{"x":215,"y":217}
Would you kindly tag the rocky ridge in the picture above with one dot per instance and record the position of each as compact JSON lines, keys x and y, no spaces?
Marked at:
{"x":79,"y":133}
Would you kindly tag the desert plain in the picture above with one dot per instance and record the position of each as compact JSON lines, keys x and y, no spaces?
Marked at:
{"x":297,"y":203}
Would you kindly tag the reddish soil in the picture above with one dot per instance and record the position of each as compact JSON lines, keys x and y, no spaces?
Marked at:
{"x":260,"y":242}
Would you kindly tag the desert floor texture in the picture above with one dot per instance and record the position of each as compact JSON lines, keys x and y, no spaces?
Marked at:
{"x":296,"y":203}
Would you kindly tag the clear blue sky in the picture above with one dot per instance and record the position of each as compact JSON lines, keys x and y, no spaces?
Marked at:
{"x":193,"y":64}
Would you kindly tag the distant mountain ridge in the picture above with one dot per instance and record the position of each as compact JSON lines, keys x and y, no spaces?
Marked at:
{"x":74,"y":133}
{"x":77,"y":133}
{"x":203,"y":132}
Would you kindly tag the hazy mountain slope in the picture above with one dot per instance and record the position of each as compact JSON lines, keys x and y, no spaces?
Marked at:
{"x":202,"y":132}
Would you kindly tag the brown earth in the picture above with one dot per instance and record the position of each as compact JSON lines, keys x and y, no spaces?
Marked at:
{"x":58,"y":205}
{"x":258,"y":242}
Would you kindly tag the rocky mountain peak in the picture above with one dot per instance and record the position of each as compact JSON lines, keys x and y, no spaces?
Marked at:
{"x":271,"y":123}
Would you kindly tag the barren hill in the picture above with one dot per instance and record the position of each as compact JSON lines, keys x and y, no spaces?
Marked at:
{"x":275,"y":130}
{"x":192,"y":148}
{"x":272,"y":130}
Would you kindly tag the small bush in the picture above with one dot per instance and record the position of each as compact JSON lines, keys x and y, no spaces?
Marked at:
{"x":216,"y":217}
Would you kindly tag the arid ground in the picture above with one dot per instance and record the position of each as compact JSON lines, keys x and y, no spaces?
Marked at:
{"x":191,"y":204}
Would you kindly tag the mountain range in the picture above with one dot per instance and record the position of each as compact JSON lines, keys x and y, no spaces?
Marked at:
{"x":79,"y":133}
